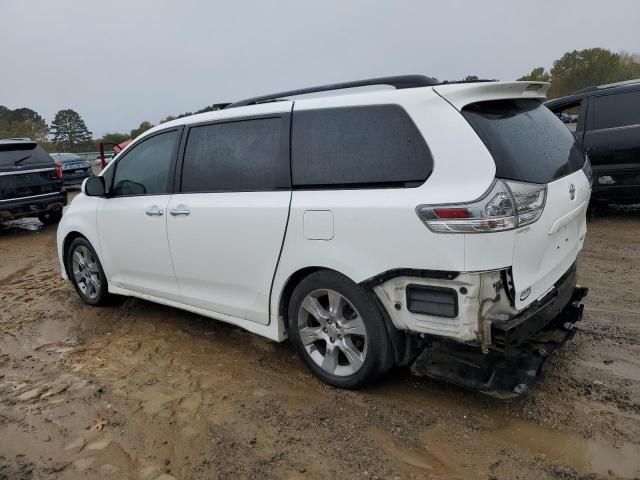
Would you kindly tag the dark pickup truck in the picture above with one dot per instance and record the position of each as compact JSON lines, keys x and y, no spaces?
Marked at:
{"x":30,"y":182}
{"x":606,"y":122}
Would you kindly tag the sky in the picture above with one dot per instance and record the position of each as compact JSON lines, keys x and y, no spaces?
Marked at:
{"x":120,"y":62}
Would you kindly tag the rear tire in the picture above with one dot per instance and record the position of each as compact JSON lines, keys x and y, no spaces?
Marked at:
{"x":86,"y":273}
{"x":50,"y":217}
{"x":338,"y":330}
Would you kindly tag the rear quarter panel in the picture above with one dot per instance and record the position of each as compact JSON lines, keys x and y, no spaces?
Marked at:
{"x":375,"y":230}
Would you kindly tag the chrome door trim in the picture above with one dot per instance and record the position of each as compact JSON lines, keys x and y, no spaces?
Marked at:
{"x":20,"y":172}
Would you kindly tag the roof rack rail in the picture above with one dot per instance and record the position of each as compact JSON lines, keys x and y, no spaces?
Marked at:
{"x":399,"y":82}
{"x":477,"y":80}
{"x":595,"y":88}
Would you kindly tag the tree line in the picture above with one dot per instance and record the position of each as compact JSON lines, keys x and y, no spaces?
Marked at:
{"x":585,"y":68}
{"x":68,"y":132}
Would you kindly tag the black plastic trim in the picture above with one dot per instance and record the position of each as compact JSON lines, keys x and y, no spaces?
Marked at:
{"x":408,"y":272}
{"x":507,"y":336}
{"x":415,"y":288}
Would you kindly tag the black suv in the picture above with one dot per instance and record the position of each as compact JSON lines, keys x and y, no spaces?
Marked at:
{"x":606,"y":121}
{"x":30,"y":182}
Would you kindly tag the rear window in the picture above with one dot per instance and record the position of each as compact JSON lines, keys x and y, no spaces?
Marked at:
{"x":22,"y":154}
{"x":369,"y":146}
{"x":66,"y":157}
{"x":619,"y":110}
{"x":527,"y":141}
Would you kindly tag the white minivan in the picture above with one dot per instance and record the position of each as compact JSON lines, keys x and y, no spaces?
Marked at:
{"x":430,"y":224}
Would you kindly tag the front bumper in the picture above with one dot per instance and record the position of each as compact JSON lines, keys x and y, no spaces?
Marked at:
{"x":31,"y":206}
{"x":521,"y":346}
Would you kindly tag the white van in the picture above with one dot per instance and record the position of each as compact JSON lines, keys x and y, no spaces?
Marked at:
{"x":432,"y":224}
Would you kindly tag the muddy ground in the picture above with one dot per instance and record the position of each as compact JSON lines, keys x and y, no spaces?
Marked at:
{"x":142,"y":391}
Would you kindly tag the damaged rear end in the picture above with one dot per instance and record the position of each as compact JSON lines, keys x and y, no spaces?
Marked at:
{"x":493,"y":327}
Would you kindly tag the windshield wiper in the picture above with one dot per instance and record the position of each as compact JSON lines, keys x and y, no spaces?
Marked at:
{"x":22,"y":159}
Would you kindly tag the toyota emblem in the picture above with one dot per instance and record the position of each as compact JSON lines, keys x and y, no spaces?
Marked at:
{"x":572,"y":191}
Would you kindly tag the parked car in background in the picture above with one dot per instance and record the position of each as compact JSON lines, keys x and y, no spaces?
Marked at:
{"x":606,"y":122}
{"x":436,"y":225}
{"x":30,"y":182}
{"x":74,"y":168}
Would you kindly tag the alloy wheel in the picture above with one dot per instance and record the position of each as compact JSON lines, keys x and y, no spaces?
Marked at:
{"x":85,"y":272}
{"x":333,"y":332}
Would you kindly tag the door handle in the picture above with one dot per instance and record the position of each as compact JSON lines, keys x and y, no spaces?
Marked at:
{"x":180,"y":210}
{"x":154,"y":211}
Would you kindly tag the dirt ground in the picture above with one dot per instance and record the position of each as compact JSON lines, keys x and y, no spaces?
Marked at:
{"x":142,"y":391}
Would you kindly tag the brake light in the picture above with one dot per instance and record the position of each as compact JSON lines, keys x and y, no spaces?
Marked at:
{"x":58,"y":170}
{"x":507,"y":205}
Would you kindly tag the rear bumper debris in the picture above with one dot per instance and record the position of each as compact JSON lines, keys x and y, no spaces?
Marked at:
{"x":512,"y":368}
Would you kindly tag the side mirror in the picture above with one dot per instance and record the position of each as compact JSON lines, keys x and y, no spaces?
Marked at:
{"x":93,"y":187}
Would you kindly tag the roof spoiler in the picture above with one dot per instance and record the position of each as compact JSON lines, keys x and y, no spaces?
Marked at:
{"x":461,"y":94}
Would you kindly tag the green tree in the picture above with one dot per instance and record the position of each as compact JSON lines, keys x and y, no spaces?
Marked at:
{"x":630,"y":65}
{"x":538,"y":74}
{"x":113,"y":137}
{"x":143,"y":127}
{"x":470,"y":78}
{"x":22,"y":122}
{"x":168,"y":119}
{"x":69,"y":130}
{"x":210,"y":108}
{"x":579,"y":69}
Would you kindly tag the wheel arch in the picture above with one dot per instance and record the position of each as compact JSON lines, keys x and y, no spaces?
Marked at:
{"x":289,"y":286}
{"x":66,"y":244}
{"x":403,"y":347}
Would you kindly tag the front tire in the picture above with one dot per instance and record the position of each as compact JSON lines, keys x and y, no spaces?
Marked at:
{"x":86,"y":273}
{"x":337,"y":329}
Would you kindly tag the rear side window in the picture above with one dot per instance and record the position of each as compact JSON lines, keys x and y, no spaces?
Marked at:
{"x":619,"y":110}
{"x":527,"y":141}
{"x":240,"y":156}
{"x":368,"y":146}
{"x":22,"y":154}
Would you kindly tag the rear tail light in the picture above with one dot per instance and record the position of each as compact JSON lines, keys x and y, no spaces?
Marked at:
{"x":58,"y":170}
{"x":507,"y":205}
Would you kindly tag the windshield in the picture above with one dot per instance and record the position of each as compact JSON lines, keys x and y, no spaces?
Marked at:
{"x":527,"y":141}
{"x":22,"y":154}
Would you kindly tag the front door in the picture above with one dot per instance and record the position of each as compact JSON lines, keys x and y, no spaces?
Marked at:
{"x":132,"y":219}
{"x":227,"y":224}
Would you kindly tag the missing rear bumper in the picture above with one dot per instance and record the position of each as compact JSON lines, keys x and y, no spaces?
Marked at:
{"x":500,"y":374}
